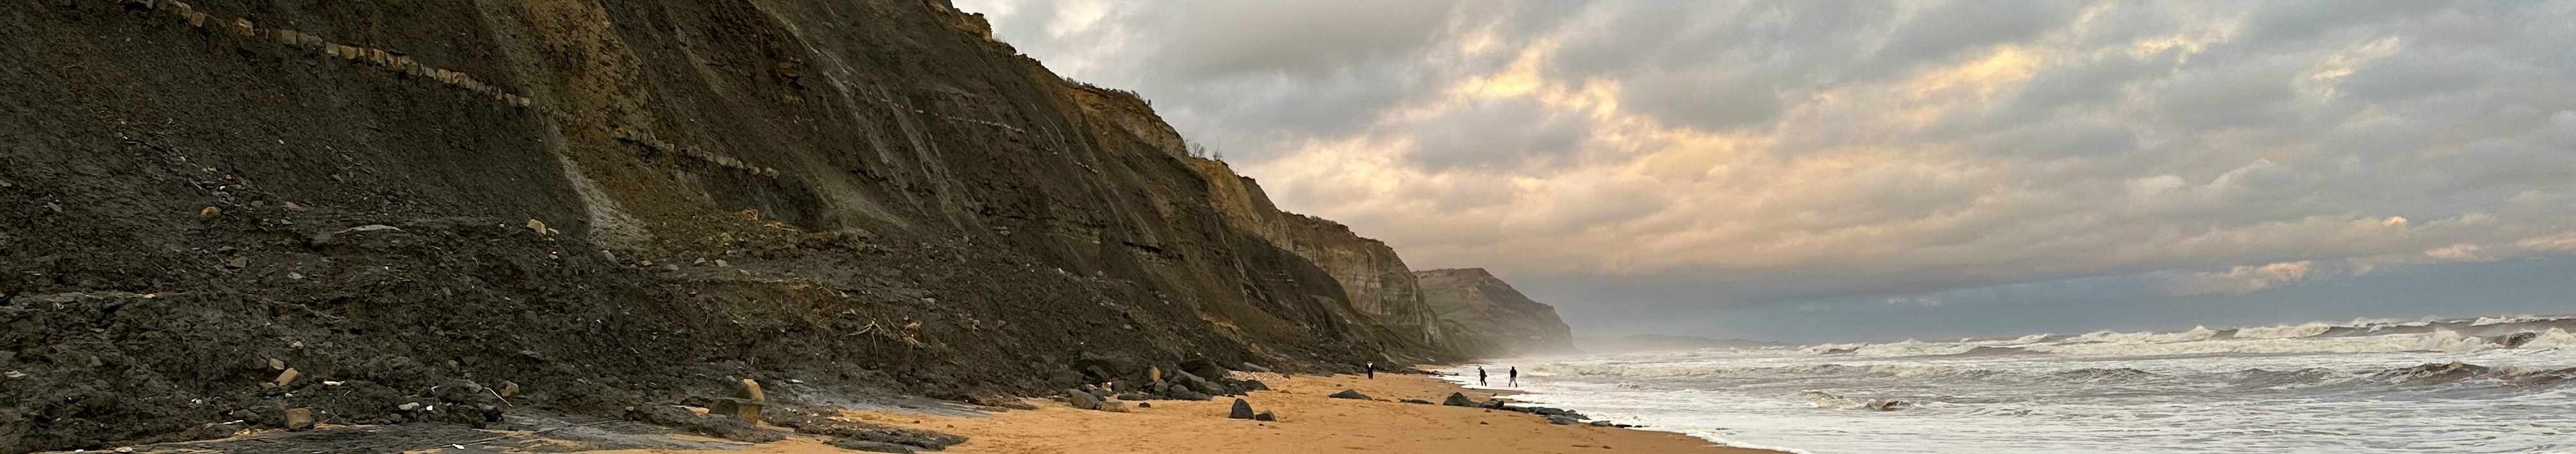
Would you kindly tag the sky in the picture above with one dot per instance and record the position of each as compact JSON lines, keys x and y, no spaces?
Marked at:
{"x":1813,"y":170}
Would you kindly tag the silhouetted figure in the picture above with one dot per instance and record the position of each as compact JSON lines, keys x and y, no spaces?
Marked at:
{"x":1516,"y":376}
{"x":1480,"y":376}
{"x":1372,"y":371}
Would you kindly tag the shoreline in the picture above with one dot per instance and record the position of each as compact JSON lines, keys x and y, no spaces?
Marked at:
{"x":1308,"y":422}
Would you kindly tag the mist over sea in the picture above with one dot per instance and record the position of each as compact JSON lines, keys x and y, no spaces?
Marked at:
{"x":2489,"y":385}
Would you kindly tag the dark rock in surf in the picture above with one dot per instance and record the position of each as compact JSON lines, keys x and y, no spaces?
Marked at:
{"x":1555,"y":411}
{"x":2516,"y":339}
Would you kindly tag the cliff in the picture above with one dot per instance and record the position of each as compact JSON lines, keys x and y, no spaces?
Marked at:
{"x":608,"y":204}
{"x":1372,"y":277}
{"x":1483,"y":316}
{"x":1374,"y":281}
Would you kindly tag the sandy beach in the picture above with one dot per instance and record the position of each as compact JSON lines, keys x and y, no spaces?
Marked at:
{"x":1308,"y":422}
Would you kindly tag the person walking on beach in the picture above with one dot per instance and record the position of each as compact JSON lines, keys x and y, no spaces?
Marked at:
{"x":1480,"y":376}
{"x":1516,"y":376}
{"x":1372,"y":371}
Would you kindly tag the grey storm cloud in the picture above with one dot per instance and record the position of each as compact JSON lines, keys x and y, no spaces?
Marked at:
{"x":1759,"y":155}
{"x":1507,"y":132}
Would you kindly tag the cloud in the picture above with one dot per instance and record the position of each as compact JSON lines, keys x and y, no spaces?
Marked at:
{"x":2242,"y":280}
{"x":1789,"y":152}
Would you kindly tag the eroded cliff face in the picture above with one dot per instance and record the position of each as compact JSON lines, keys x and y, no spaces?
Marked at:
{"x":1483,"y":316}
{"x":1376,"y":281}
{"x":606,"y":204}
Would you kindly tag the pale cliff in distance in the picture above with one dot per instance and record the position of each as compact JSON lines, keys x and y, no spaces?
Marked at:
{"x":1482,"y":316}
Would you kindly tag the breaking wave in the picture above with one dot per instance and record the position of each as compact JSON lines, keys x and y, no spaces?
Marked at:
{"x":2284,"y":388}
{"x":1823,"y":399}
{"x":2357,"y":336}
{"x":2424,"y":375}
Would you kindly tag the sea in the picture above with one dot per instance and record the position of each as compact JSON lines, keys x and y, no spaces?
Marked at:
{"x":2486,"y":385}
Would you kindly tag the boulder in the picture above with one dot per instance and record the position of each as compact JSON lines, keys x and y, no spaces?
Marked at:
{"x":1603,"y":424}
{"x":1203,"y":367}
{"x":746,"y":403}
{"x":1350,"y":394}
{"x":747,"y":409}
{"x":1082,"y":400}
{"x":1555,"y":411}
{"x":750,"y":389}
{"x":299,"y":419}
{"x":1244,"y":386}
{"x":1113,"y":407}
{"x":1194,"y":382}
{"x":680,"y":417}
{"x":1562,"y":420}
{"x":1416,"y":401}
{"x":284,"y":378}
{"x":1460,"y":400}
{"x":872,"y":446}
{"x":1131,"y":395}
{"x":1242,"y":410}
{"x":860,"y":431}
{"x":1265,"y":416}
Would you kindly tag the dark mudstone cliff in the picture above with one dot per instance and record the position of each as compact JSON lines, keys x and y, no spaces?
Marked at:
{"x":1377,"y":282}
{"x":1482,"y":316}
{"x":605,"y":204}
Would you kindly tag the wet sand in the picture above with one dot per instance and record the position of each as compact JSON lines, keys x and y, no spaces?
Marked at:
{"x":1308,"y":423}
